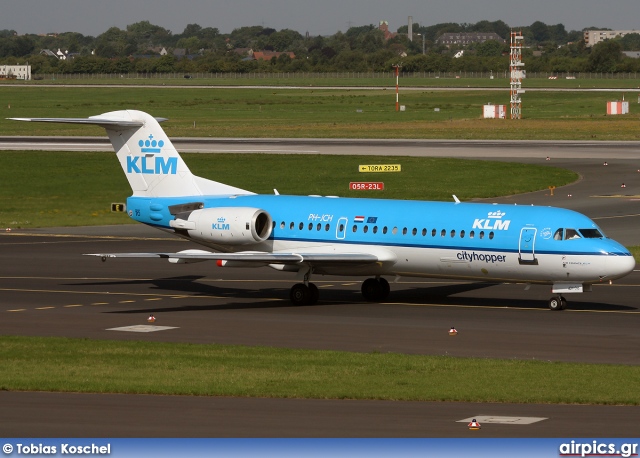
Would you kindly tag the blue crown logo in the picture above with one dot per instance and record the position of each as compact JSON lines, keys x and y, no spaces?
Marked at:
{"x":151,"y":145}
{"x":222,"y":219}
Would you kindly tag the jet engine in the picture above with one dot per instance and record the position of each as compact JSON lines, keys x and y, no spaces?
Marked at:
{"x":225,"y":225}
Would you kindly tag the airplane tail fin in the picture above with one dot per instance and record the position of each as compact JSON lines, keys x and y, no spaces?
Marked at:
{"x":151,"y":163}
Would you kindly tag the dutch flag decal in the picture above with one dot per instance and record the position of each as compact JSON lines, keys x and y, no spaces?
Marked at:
{"x":359,"y":219}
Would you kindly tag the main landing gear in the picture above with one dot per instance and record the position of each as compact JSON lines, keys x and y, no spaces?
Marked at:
{"x":557,"y":303}
{"x":373,"y":290}
{"x":302,"y":294}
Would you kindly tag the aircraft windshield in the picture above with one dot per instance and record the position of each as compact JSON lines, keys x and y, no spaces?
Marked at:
{"x":591,"y":234}
{"x":572,"y":234}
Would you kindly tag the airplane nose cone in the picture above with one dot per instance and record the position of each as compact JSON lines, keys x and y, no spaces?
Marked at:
{"x":619,"y":266}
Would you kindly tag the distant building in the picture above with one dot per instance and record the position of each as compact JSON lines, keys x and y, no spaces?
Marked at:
{"x":268,"y":55}
{"x":59,"y":54}
{"x":244,"y":52}
{"x":466,"y":38}
{"x":384,"y":26}
{"x":180,"y":53}
{"x":19,"y":72}
{"x":632,"y":54}
{"x":158,"y":50}
{"x":48,"y":53}
{"x":593,"y":37}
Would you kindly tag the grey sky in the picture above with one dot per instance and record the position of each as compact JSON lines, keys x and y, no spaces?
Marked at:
{"x":318,"y":17}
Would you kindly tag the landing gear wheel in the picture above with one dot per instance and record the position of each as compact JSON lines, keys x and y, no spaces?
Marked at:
{"x":375,"y":289}
{"x":386,"y":289}
{"x":557,"y":303}
{"x":314,"y":294}
{"x":299,"y":294}
{"x":302,"y":294}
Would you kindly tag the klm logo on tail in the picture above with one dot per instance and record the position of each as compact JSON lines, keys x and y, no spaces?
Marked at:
{"x":149,"y":163}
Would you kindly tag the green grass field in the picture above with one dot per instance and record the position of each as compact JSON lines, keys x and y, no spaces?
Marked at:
{"x":323,"y":113}
{"x":77,"y":189}
{"x":417,"y":79}
{"x":81,"y":365}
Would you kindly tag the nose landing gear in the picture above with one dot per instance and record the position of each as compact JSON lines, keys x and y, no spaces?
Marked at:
{"x":557,"y":303}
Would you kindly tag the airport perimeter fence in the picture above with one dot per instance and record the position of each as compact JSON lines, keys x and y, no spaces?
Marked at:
{"x":327,"y":76}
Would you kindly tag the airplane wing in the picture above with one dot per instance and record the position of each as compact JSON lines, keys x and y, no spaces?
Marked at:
{"x":260,"y":258}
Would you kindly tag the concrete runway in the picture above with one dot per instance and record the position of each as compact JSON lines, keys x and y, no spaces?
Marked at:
{"x":49,"y":289}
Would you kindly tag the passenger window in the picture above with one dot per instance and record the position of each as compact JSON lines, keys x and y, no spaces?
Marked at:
{"x":443,"y":233}
{"x":282,"y":225}
{"x":491,"y":235}
{"x":394,"y":231}
{"x":404,"y":231}
{"x":472,"y":234}
{"x":424,"y":232}
{"x":375,"y":229}
{"x":326,"y":228}
{"x":414,"y":231}
{"x":462,"y":234}
{"x":355,"y":228}
{"x":384,"y":230}
{"x":481,"y":234}
{"x":341,"y":228}
{"x":365,"y":229}
{"x":453,"y":233}
{"x":310,"y":226}
{"x":291,"y":225}
{"x":433,"y":233}
{"x":318,"y":227}
{"x":301,"y":226}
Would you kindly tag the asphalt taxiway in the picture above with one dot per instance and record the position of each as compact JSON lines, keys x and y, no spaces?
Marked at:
{"x":49,"y":289}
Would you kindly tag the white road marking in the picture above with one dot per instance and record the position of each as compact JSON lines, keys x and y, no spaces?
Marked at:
{"x":142,"y":328}
{"x":500,"y":420}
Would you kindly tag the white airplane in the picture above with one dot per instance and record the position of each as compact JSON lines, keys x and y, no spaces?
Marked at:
{"x":312,"y":235}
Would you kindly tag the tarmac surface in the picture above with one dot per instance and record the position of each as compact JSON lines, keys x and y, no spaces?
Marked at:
{"x":49,"y":289}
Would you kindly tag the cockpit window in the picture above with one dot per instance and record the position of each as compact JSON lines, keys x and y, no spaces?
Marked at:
{"x":571,"y":234}
{"x":591,"y":234}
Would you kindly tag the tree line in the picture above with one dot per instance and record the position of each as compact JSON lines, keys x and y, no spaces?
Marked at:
{"x":548,"y":48}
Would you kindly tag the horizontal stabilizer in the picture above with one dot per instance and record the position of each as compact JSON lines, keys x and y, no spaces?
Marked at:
{"x":93,"y":120}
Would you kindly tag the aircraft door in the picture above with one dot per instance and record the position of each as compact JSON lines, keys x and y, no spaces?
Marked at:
{"x":341,"y":228}
{"x":526,"y":248}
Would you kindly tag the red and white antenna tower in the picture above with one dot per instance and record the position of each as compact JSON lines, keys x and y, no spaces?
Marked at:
{"x":515,"y":68}
{"x":397,"y":67}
